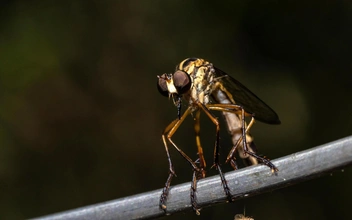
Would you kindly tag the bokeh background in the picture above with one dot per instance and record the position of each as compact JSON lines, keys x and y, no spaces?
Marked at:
{"x":81,"y":118}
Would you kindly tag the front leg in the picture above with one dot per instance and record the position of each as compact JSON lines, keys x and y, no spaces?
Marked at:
{"x":167,"y":134}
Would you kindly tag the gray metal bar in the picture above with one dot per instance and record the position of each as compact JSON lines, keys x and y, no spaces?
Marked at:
{"x":245,"y":182}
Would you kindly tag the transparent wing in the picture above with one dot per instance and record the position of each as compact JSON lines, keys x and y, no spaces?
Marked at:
{"x":247,"y":99}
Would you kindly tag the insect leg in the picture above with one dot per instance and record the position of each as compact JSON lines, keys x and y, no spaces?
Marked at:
{"x":232,"y":114}
{"x":202,"y":164}
{"x":231,"y":155}
{"x":199,"y":146}
{"x":247,"y":151}
{"x":238,"y":110}
{"x":193,"y":193}
{"x":216,"y":150}
{"x":167,"y":134}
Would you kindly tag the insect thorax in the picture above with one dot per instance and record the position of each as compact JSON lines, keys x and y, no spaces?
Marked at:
{"x":203,"y":80}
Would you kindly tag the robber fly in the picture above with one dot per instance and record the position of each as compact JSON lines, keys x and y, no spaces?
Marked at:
{"x":206,"y":88}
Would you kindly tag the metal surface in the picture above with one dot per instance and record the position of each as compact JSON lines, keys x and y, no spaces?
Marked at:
{"x":245,"y":182}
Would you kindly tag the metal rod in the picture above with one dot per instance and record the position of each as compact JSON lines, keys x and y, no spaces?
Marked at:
{"x":245,"y":182}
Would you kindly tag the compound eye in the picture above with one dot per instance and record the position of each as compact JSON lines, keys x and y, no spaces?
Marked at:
{"x":182,"y":81}
{"x":161,"y":84}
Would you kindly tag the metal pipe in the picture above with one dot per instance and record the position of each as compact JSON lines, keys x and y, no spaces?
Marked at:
{"x":246,"y":182}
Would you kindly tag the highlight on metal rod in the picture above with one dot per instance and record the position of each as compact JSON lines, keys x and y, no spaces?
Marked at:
{"x":245,"y":182}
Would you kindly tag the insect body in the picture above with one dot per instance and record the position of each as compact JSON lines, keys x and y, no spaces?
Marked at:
{"x":207,"y":88}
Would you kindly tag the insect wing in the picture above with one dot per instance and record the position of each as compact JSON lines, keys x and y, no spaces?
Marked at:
{"x":247,"y":99}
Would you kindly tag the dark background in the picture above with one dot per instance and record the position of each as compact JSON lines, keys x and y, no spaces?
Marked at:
{"x":81,"y":118}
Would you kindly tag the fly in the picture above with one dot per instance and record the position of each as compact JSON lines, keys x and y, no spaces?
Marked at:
{"x":206,"y":88}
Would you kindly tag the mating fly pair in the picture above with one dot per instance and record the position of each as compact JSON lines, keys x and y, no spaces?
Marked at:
{"x":207,"y":88}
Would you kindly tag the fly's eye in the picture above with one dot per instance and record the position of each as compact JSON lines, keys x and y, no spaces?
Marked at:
{"x":162,"y":87}
{"x":182,"y":82}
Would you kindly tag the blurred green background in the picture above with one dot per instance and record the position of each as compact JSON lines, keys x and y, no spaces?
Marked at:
{"x":81,"y":118}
